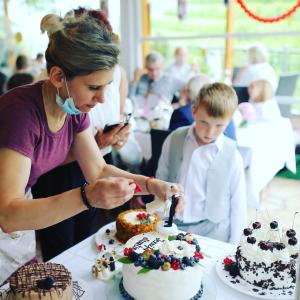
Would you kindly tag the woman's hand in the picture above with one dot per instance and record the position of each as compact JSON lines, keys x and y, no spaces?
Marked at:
{"x":123,"y":135}
{"x":110,"y":192}
{"x":162,"y":189}
{"x":108,"y":138}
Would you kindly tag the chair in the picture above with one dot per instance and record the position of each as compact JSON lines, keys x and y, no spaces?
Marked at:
{"x":158,"y":137}
{"x":287,"y":85}
{"x":242,"y":93}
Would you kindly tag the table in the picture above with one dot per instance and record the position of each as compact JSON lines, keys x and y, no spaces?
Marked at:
{"x":271,"y":147}
{"x":80,"y":258}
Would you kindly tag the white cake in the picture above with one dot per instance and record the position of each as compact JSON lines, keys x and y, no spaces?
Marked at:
{"x":158,"y":267}
{"x":267,"y":256}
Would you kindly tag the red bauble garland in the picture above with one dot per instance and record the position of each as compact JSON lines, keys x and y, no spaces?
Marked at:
{"x":268,"y":20}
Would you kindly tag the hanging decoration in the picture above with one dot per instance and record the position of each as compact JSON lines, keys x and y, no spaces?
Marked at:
{"x":269,"y":20}
{"x":182,"y":9}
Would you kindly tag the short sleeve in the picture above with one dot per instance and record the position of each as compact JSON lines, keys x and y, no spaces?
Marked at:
{"x":19,"y":128}
{"x":81,"y":122}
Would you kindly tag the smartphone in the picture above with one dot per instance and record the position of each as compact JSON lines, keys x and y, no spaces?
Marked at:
{"x":109,"y":127}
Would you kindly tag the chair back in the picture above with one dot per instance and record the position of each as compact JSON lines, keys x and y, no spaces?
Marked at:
{"x":158,"y":137}
{"x":242,"y":93}
{"x":287,"y":85}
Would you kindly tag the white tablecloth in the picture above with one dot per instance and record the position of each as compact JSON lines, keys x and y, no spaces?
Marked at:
{"x":271,"y":145}
{"x":80,"y":258}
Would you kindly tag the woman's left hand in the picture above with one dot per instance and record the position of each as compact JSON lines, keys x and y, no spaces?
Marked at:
{"x":161,"y":189}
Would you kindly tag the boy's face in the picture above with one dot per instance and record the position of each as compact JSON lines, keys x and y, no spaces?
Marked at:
{"x":207,"y":128}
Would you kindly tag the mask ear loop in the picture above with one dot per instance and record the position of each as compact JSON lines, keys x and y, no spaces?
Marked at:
{"x":67,"y":87}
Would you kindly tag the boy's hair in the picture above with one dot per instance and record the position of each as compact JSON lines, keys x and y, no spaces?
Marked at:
{"x":265,"y":90}
{"x":218,"y":99}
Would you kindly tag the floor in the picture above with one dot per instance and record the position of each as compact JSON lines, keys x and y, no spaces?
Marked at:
{"x":280,"y":200}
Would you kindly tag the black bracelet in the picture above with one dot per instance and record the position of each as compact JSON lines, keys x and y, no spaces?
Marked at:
{"x":85,"y":200}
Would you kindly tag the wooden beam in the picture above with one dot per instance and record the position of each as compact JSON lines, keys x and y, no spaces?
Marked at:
{"x":146,"y":27}
{"x":229,"y":42}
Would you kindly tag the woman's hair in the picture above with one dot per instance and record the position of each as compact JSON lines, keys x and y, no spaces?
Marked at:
{"x":218,"y":99}
{"x":78,"y":44}
{"x":258,"y":53}
{"x":265,"y":90}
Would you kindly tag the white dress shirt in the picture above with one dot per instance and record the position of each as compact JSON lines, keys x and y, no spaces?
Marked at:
{"x":193,"y":176}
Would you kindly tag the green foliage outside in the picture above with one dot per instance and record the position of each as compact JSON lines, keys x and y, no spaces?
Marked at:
{"x":209,"y":17}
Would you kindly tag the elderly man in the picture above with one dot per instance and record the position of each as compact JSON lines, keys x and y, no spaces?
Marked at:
{"x":154,"y":81}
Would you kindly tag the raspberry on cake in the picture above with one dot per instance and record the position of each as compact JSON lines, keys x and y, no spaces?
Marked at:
{"x":132,"y":222}
{"x":154,"y":263}
{"x":47,"y":281}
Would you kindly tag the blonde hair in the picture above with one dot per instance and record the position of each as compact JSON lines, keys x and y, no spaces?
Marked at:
{"x":78,"y":44}
{"x":218,"y":99}
{"x":265,"y":91}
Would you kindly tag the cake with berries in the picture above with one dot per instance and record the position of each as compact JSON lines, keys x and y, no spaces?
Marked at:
{"x":266,"y":257}
{"x":42,"y":281}
{"x":132,"y":222}
{"x":154,"y":264}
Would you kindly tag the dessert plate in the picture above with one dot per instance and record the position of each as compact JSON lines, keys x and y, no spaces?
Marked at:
{"x":112,"y":291}
{"x":106,"y":235}
{"x":244,"y":287}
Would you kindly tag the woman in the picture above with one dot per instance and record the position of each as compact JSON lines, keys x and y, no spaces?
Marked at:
{"x":41,"y":123}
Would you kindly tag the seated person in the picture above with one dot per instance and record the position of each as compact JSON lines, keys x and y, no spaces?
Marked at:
{"x":180,"y":68}
{"x":154,"y":82}
{"x":258,"y":68}
{"x":262,"y":98}
{"x":209,"y":167}
{"x":19,"y":79}
{"x":182,"y":116}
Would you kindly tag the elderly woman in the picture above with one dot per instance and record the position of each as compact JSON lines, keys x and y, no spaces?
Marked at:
{"x":41,"y":123}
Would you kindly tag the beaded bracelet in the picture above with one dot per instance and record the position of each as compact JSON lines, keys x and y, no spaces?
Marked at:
{"x":146,"y":184}
{"x":85,"y":200}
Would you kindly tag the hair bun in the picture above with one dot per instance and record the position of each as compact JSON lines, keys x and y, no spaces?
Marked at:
{"x":51,"y":23}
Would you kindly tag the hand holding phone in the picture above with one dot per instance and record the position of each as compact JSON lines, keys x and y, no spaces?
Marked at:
{"x":109,"y":127}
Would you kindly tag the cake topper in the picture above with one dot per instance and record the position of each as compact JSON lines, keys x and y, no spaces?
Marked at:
{"x":174,"y":202}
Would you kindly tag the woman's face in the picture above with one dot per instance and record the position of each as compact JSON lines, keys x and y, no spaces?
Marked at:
{"x":88,"y":90}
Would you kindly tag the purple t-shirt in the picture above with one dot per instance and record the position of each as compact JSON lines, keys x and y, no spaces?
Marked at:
{"x":24,"y":128}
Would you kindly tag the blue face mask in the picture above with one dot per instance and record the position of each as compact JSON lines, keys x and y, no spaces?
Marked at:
{"x":67,"y":105}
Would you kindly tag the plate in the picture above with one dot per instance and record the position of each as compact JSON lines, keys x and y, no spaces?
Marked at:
{"x":102,"y":237}
{"x":244,"y":287}
{"x":80,"y":291}
{"x":112,"y":291}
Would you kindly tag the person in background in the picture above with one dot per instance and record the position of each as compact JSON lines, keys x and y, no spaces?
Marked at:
{"x":257,"y":68}
{"x":42,"y":123}
{"x":19,"y":79}
{"x":180,"y":69}
{"x":154,"y":81}
{"x":209,"y":167}
{"x":262,"y":97}
{"x":183,"y":116}
{"x":21,"y":64}
{"x":38,"y":65}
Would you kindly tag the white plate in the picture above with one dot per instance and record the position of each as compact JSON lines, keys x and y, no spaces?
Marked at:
{"x":112,"y":291}
{"x":80,"y":291}
{"x":244,"y":287}
{"x":101,"y":237}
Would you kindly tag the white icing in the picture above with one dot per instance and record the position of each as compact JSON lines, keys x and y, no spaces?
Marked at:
{"x":159,"y":284}
{"x":131,"y":218}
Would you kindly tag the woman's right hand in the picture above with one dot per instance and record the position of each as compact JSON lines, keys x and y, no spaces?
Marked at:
{"x":108,"y":138}
{"x":110,"y":192}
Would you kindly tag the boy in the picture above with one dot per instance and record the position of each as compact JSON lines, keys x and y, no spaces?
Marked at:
{"x":209,"y":167}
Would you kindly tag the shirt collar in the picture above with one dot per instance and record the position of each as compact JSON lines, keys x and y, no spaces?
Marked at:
{"x":218,"y":142}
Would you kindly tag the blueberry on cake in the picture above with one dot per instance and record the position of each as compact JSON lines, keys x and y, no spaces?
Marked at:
{"x":132,"y":222}
{"x":42,"y":281}
{"x":266,"y":257}
{"x":160,"y":267}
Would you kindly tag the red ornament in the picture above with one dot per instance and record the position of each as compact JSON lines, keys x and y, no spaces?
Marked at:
{"x":268,"y":20}
{"x":198,"y":255}
{"x":101,"y":247}
{"x":127,"y":251}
